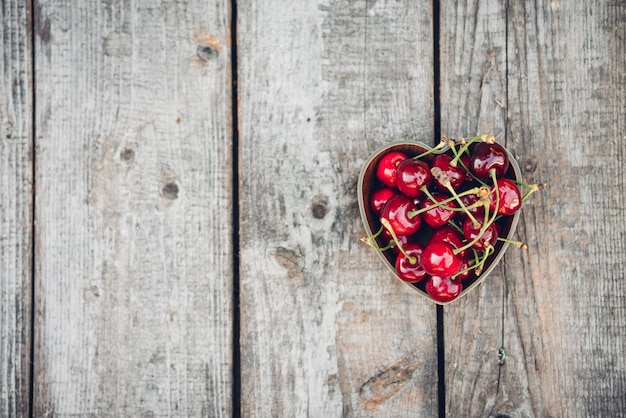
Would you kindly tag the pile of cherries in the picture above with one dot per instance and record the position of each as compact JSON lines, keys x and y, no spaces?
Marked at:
{"x":440,"y":213}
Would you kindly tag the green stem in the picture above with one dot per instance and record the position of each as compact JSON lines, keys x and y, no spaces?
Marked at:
{"x":518,"y":244}
{"x":388,"y":227}
{"x":439,"y":146}
{"x":486,"y":221}
{"x":412,"y":214}
{"x":465,"y":148}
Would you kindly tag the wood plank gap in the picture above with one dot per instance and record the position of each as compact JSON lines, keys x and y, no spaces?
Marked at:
{"x":441,"y":358}
{"x":31,"y":378}
{"x":236,"y":384}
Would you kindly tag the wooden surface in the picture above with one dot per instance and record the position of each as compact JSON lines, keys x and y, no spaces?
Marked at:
{"x":121,"y":113}
{"x":134,"y":269}
{"x":324,"y":330}
{"x":16,"y":176}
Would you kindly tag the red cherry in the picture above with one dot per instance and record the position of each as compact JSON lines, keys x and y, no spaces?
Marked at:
{"x":449,"y":235}
{"x":407,"y":271}
{"x":465,"y":274}
{"x":443,"y":289}
{"x":465,"y":159}
{"x":486,"y":157}
{"x":455,"y":174}
{"x":488,"y":238}
{"x":510,"y":197}
{"x":437,"y":216}
{"x":396,"y":212}
{"x":469,"y":200}
{"x":386,"y":169}
{"x":439,"y":259}
{"x":411,"y":176}
{"x":379,"y":197}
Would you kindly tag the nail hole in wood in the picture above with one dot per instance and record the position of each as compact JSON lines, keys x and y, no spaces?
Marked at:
{"x":127,"y":154}
{"x":170,"y":191}
{"x":319,"y":207}
{"x":530,"y":166}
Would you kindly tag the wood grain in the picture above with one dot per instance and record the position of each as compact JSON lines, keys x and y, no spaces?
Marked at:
{"x":16,"y":136}
{"x":325,"y":329}
{"x":563,"y":298}
{"x":134,"y":255}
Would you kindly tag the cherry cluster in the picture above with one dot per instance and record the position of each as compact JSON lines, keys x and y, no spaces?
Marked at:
{"x":440,"y":213}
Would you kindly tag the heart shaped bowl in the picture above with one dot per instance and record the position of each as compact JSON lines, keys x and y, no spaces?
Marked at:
{"x":368,"y":182}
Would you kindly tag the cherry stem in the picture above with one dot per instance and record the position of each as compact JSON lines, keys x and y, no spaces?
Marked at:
{"x":485,"y":138}
{"x":518,"y":244}
{"x":371,"y":240}
{"x":436,"y":203}
{"x":481,"y":264}
{"x":443,"y":178}
{"x":440,"y":145}
{"x":388,"y":227}
{"x":487,"y":220}
{"x":372,"y":244}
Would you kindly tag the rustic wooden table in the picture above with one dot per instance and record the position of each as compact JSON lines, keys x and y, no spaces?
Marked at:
{"x":179,"y":233}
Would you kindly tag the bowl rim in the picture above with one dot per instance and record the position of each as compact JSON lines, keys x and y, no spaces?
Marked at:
{"x":505,"y":245}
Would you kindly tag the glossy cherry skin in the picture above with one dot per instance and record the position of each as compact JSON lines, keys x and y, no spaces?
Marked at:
{"x":437,"y":216}
{"x":455,"y":174}
{"x":509,"y":195}
{"x":465,"y":159}
{"x":379,"y":197}
{"x":489,"y":237}
{"x":396,"y":212}
{"x":465,"y":275}
{"x":439,"y":259}
{"x":469,"y":200}
{"x":407,"y":271}
{"x":411,"y":176}
{"x":449,"y":235}
{"x":443,"y":289}
{"x":386,"y":169}
{"x":486,"y":157}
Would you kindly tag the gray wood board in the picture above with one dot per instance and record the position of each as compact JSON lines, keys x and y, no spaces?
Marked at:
{"x":134,"y":258}
{"x":16,"y":136}
{"x":325,"y":329}
{"x":548,"y":80}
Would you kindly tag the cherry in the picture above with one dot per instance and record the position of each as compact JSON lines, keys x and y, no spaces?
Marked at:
{"x":449,"y":235}
{"x":468,"y":201}
{"x":509,"y":195}
{"x":438,"y":215}
{"x":408,"y":271}
{"x":411,"y":176}
{"x":439,"y":259}
{"x":456,"y":174}
{"x":487,"y":239}
{"x":465,"y":163}
{"x":386,"y":169}
{"x":443,"y":288}
{"x":379,"y":197}
{"x":395,"y":212}
{"x":465,"y":273}
{"x":486,"y":157}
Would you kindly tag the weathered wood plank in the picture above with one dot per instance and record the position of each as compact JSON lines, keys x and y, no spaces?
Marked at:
{"x":567,"y":84}
{"x":325,"y":329}
{"x":16,"y":136}
{"x":473,"y":100}
{"x":134,"y":257}
{"x":563,"y":298}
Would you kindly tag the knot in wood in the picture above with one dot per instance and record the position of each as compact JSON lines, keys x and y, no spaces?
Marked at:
{"x":206,"y":52}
